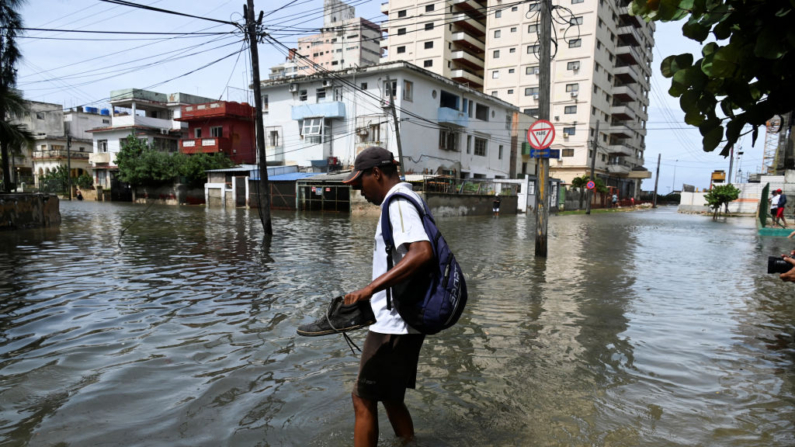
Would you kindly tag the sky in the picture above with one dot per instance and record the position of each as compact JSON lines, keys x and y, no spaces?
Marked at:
{"x":84,"y":71}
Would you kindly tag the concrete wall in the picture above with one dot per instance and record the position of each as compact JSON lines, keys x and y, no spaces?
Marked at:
{"x":170,"y":195}
{"x":443,"y":205}
{"x":19,"y":211}
{"x":694,"y":202}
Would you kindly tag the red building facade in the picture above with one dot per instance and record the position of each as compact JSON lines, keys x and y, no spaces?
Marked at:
{"x":220,"y":126}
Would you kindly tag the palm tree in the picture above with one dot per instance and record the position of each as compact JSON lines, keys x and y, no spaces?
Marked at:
{"x":579,"y":183}
{"x":11,"y":102}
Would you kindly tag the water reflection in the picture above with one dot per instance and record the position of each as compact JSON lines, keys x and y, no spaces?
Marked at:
{"x":639,"y":329}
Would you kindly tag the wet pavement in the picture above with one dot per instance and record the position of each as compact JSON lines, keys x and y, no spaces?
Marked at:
{"x":644,"y":328}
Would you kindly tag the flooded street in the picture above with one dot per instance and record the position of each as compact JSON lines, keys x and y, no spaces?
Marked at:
{"x":647,"y":328}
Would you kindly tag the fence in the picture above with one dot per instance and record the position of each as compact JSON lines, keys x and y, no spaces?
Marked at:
{"x":445,"y":185}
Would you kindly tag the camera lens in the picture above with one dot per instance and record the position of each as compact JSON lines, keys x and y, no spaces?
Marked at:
{"x":776,"y":264}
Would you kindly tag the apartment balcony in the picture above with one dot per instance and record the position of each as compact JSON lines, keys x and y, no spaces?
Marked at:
{"x":59,"y":155}
{"x":639,"y":172}
{"x":331,"y":109}
{"x":625,"y":93}
{"x":470,"y":7}
{"x":469,"y":42}
{"x":385,"y":8}
{"x":619,"y":167}
{"x":635,"y":21}
{"x":629,"y":55}
{"x":466,"y":77}
{"x":626,"y":74}
{"x":145,"y":121}
{"x":447,"y":115}
{"x":205,"y":145}
{"x":620,"y":130}
{"x":620,"y":150}
{"x":99,"y":158}
{"x":622,"y":113}
{"x":629,"y":34}
{"x":464,"y":21}
{"x":466,"y":58}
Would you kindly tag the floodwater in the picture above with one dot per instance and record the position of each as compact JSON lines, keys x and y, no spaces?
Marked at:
{"x":647,"y":328}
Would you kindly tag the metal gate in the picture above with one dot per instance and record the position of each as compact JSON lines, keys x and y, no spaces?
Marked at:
{"x":324,"y":197}
{"x":282,"y":195}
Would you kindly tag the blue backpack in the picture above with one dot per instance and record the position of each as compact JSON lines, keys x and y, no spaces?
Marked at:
{"x":434,"y":300}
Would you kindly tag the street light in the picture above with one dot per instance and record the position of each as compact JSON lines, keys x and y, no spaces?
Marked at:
{"x":673,"y":182}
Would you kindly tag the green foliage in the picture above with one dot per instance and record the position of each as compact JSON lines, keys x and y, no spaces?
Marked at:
{"x":581,"y":182}
{"x":721,"y":195}
{"x":140,"y":165}
{"x":56,"y":180}
{"x":747,"y":77}
{"x":194,"y":166}
{"x":85,"y":181}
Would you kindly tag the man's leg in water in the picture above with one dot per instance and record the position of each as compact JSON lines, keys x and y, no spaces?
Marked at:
{"x":400,"y":418}
{"x":365,"y":432}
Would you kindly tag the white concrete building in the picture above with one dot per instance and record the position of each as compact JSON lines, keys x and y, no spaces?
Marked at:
{"x":445,"y":126}
{"x":146,"y":114}
{"x":601,"y":71}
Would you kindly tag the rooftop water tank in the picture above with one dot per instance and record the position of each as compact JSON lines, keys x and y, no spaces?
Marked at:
{"x":105,"y":112}
{"x":91,"y":109}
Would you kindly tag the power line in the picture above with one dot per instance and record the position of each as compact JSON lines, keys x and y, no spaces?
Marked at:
{"x":166,"y":11}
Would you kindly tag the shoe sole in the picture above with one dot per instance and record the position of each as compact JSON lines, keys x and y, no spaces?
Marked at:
{"x":331,"y":331}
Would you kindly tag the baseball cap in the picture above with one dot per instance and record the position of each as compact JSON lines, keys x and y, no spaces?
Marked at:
{"x":778,"y":191}
{"x":369,"y":158}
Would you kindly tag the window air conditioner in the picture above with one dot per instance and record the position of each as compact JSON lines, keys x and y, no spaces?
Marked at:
{"x":574,"y":94}
{"x":327,"y":83}
{"x":293,"y":88}
{"x":535,"y":95}
{"x":164,"y":131}
{"x":565,"y":136}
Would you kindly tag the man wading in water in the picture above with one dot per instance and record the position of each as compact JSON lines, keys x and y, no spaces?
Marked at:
{"x":391,"y":350}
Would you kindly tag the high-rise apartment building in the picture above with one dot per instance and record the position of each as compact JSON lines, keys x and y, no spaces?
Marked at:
{"x":345,"y":41}
{"x":601,"y":71}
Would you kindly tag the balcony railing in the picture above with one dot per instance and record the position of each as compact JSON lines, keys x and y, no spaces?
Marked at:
{"x":57,"y":154}
{"x":145,"y":121}
{"x":465,"y":76}
{"x":467,"y":40}
{"x":99,"y":158}
{"x":467,"y":58}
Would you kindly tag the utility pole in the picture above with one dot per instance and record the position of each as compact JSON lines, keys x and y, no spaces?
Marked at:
{"x":595,"y":146}
{"x":263,"y":188}
{"x":69,"y":163}
{"x":544,"y":56}
{"x":397,"y":125}
{"x":731,"y":164}
{"x":656,"y":182}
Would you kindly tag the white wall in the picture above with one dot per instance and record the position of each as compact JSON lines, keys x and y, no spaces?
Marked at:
{"x":747,"y":202}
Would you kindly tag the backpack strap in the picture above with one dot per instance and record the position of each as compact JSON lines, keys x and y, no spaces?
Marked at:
{"x":386,"y":233}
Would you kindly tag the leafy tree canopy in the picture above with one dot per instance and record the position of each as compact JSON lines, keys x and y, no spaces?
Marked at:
{"x":56,"y":180}
{"x":85,"y":181}
{"x":721,"y":195}
{"x":582,"y":181}
{"x":195,"y":165}
{"x":748,"y":73}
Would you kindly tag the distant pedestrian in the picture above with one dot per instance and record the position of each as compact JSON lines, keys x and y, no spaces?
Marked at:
{"x":632,"y":201}
{"x":615,"y":200}
{"x":774,"y":206}
{"x":782,"y":201}
{"x":495,"y":207}
{"x":79,"y":195}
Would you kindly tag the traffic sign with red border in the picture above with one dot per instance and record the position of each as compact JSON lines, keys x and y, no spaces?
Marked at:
{"x":541,"y":134}
{"x":590,"y":185}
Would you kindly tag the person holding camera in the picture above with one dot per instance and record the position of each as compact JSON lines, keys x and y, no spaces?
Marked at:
{"x":784,"y":267}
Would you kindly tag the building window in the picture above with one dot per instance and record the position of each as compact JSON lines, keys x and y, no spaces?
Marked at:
{"x":102,"y":145}
{"x":573,"y":65}
{"x":313,"y":130}
{"x":498,"y":14}
{"x":302,"y":95}
{"x":508,"y":118}
{"x":408,"y":91}
{"x":568,"y":131}
{"x":496,"y":54}
{"x":593,"y":112}
{"x":428,"y":8}
{"x":531,"y":112}
{"x":337,"y":93}
{"x":495,"y":74}
{"x":469,"y":144}
{"x":532,"y":29}
{"x":533,"y":69}
{"x":429,"y":26}
{"x":513,"y":29}
{"x":265,"y":104}
{"x":480,"y":147}
{"x":601,"y":23}
{"x":574,"y":2}
{"x":576,"y":20}
{"x":197,"y":133}
{"x":320,"y":94}
{"x":596,"y":67}
{"x":108,"y":121}
{"x":572,"y":87}
{"x":575,"y":43}
{"x":217,"y":131}
{"x":401,"y":31}
{"x":531,"y":91}
{"x":567,"y":152}
{"x":499,"y":153}
{"x":494,"y":93}
{"x":512,"y":50}
{"x":497,"y":34}
{"x":532,"y":49}
{"x":273,"y":138}
{"x":448,"y":139}
{"x":39,"y":115}
{"x":510,"y":91}
{"x":592,"y":132}
{"x":428,"y":63}
{"x":481,"y":112}
{"x":429,"y":45}
{"x":598,"y":45}
{"x":402,"y":13}
{"x":401,"y":50}
{"x":570,"y":110}
{"x":364,"y":86}
{"x":535,"y":7}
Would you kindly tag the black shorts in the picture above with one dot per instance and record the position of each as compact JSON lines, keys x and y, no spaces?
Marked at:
{"x":388,"y":366}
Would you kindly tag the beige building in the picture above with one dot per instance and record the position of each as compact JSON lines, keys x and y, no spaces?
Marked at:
{"x":601,"y":71}
{"x":346,"y":41}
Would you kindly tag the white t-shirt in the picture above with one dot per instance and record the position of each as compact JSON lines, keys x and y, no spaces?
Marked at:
{"x":774,"y":202}
{"x":406,"y":228}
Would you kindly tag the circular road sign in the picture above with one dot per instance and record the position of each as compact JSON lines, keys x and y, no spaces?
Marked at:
{"x":590,"y":184}
{"x":541,"y":134}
